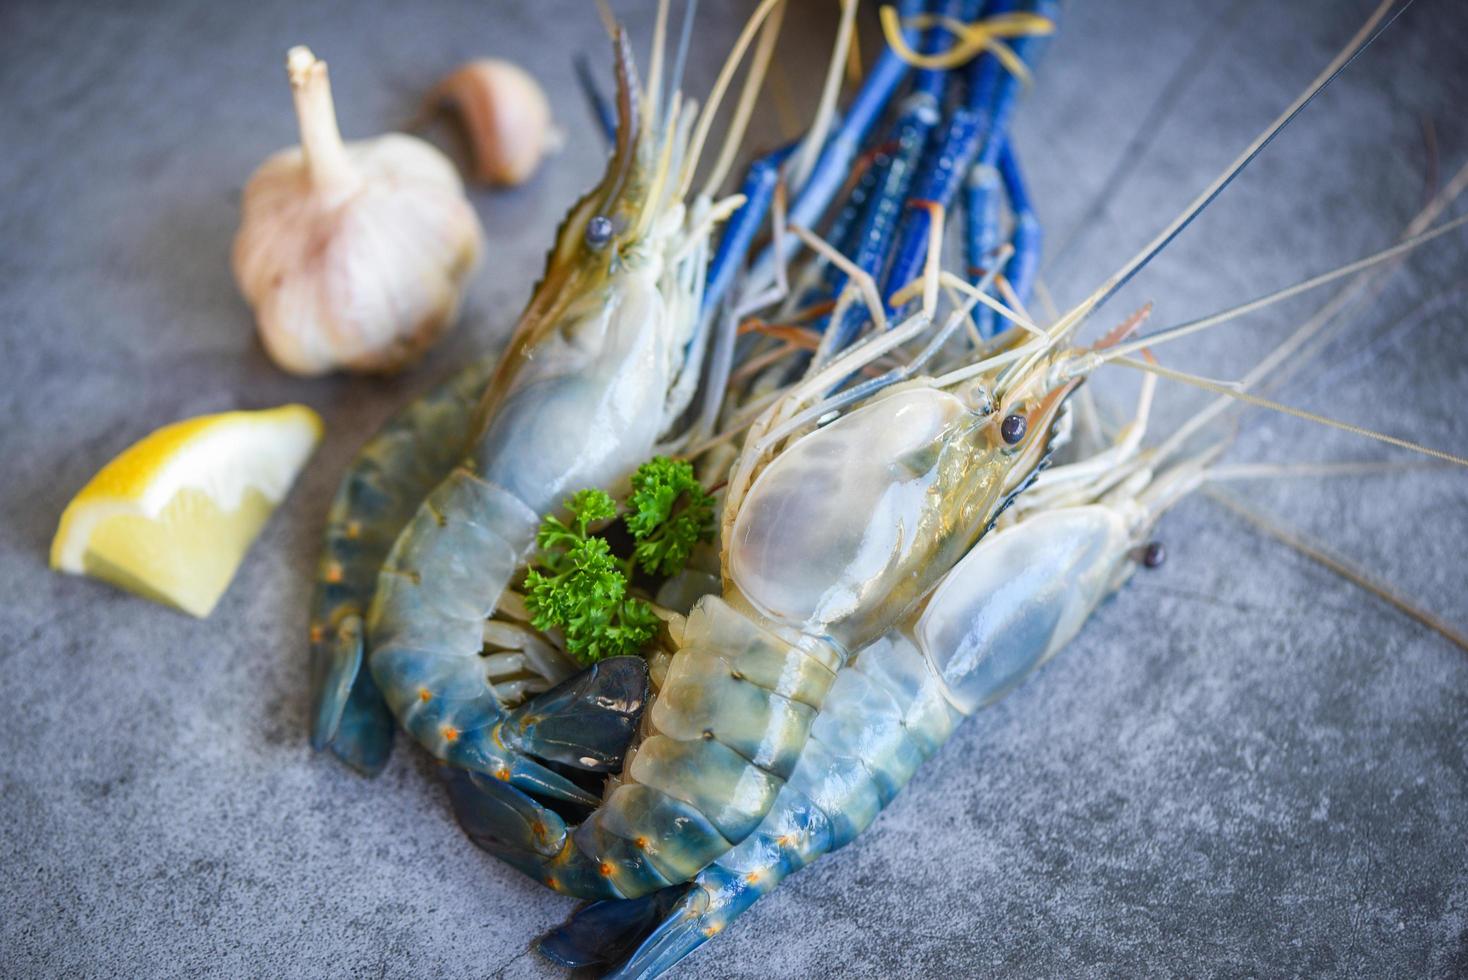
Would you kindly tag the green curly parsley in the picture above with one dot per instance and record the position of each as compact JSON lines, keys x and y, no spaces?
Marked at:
{"x":668,"y":513}
{"x":577,"y":585}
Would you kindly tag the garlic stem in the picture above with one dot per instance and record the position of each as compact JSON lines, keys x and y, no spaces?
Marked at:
{"x":321,"y":140}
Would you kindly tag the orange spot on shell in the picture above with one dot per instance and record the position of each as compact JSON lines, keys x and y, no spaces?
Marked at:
{"x":641,"y":843}
{"x":354,"y":529}
{"x":606,"y":869}
{"x":503,"y":775}
{"x":317,"y":633}
{"x":424,"y":694}
{"x":333,"y":573}
{"x":450,"y":733}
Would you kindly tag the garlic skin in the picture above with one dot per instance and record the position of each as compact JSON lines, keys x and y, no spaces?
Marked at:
{"x":352,"y":255}
{"x":505,"y":115}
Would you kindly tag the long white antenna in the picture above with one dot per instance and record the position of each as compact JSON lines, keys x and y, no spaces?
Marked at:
{"x":815,"y":140}
{"x":1279,"y":295}
{"x":753,"y":82}
{"x":1368,"y":33}
{"x":1233,"y":391}
{"x":721,"y":85}
{"x":1313,"y":327}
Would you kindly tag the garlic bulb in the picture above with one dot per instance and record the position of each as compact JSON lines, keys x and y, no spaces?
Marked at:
{"x":505,"y":116}
{"x":353,"y":255}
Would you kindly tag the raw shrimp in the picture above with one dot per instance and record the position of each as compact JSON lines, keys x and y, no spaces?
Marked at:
{"x":605,"y":358}
{"x":598,"y":370}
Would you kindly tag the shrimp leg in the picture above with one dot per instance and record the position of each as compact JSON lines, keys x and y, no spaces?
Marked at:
{"x":974,"y":134}
{"x":982,"y":193}
{"x":382,"y":488}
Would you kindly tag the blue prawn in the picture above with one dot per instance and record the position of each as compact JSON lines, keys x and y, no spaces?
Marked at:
{"x":606,"y":357}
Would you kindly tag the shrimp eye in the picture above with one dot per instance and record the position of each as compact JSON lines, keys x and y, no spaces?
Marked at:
{"x":599,"y":232}
{"x":1012,"y":429}
{"x":1154,"y":554}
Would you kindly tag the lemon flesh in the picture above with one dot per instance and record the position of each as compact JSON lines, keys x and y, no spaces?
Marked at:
{"x":173,"y":516}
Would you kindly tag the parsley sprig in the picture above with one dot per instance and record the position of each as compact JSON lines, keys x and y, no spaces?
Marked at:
{"x":668,"y":513}
{"x":576,"y":583}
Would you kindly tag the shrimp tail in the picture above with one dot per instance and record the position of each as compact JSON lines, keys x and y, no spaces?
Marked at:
{"x":351,"y":718}
{"x":504,"y":821}
{"x":642,"y":938}
{"x":607,"y":932}
{"x":501,"y":817}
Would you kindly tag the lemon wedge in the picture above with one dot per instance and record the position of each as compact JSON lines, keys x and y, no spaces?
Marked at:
{"x":172,"y":517}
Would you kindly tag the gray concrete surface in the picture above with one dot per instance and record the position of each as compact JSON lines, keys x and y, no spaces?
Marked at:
{"x":1246,"y":766}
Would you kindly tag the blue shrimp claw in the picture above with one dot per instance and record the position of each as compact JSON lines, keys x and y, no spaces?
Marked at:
{"x":1024,"y":264}
{"x":981,"y":196}
{"x":975,"y":133}
{"x":982,"y":192}
{"x":587,"y":720}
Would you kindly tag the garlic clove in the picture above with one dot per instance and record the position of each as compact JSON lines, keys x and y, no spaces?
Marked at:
{"x":505,"y":116}
{"x":352,"y":255}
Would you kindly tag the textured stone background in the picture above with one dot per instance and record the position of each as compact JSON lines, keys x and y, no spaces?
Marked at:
{"x":1245,"y":765}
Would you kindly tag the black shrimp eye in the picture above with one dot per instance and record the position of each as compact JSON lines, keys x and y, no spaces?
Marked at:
{"x":599,"y":232}
{"x":1154,"y":554}
{"x":1012,"y":429}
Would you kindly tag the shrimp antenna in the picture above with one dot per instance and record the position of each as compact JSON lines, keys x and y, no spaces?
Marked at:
{"x":816,"y":139}
{"x":721,"y":85}
{"x":1313,"y":328}
{"x":747,"y":97}
{"x":1345,"y":569}
{"x":680,"y":60}
{"x":653,"y":97}
{"x":1363,"y":38}
{"x":1269,"y":299}
{"x":1236,"y":391}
